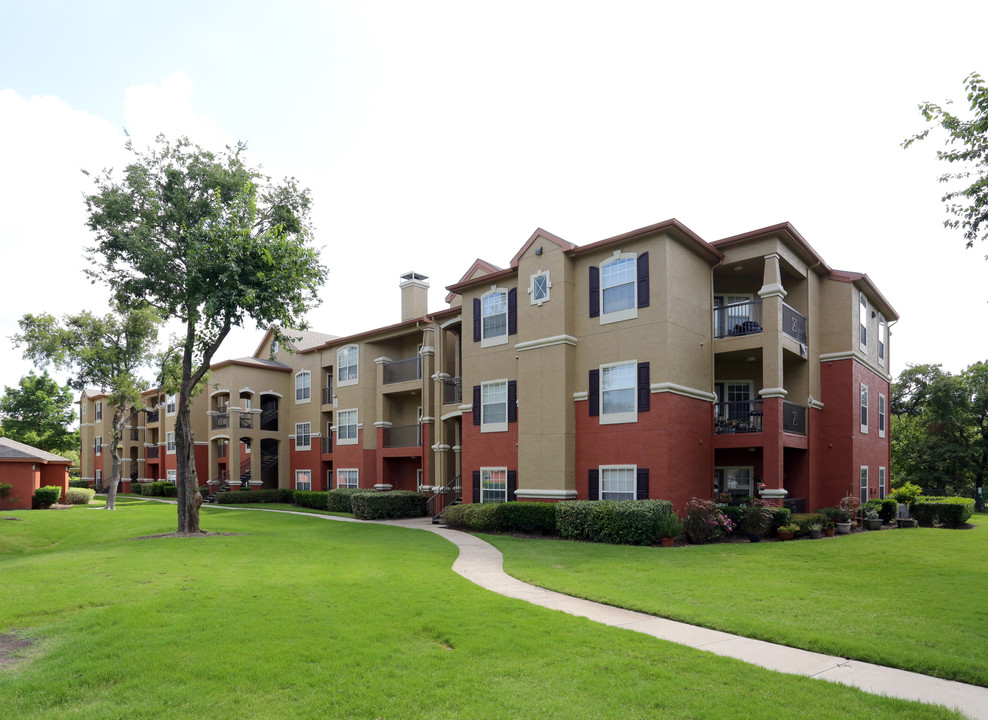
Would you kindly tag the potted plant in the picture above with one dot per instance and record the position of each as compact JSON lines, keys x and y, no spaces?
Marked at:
{"x":842,"y":519}
{"x":787,"y":532}
{"x":814,"y":530}
{"x":850,"y":503}
{"x":756,"y":519}
{"x":667,"y":528}
{"x":829,"y":529}
{"x":871,"y":519}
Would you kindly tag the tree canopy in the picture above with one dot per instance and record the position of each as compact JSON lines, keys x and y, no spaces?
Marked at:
{"x":210,"y":241}
{"x":966,"y":148}
{"x":38,"y":412}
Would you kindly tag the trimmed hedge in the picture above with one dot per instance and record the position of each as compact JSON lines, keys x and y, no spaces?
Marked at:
{"x":952,"y":512}
{"x":392,"y":504}
{"x":887,"y":508}
{"x":79,"y":496}
{"x":78,"y":483}
{"x":278,"y":495}
{"x":619,"y":522}
{"x":158,"y":488}
{"x":338,"y":500}
{"x":522,"y":517}
{"x":311,"y":499}
{"x":45,"y":497}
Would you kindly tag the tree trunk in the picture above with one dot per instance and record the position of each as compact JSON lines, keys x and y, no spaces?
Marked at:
{"x":111,"y":488}
{"x":189,"y":498}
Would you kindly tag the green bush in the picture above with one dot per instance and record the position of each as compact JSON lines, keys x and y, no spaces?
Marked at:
{"x":699,"y":524}
{"x":476,"y":517}
{"x":835,"y":514}
{"x":45,"y":497}
{"x":338,"y":500}
{"x":79,"y":496}
{"x":619,"y":522}
{"x":392,"y":504}
{"x":169,"y":490}
{"x":5,"y":489}
{"x":780,"y":516}
{"x":668,"y":525}
{"x":311,"y":499}
{"x":78,"y":484}
{"x":803,"y":521}
{"x":158,"y":488}
{"x":952,"y":512}
{"x":906,"y":493}
{"x":278,"y":495}
{"x":527,"y":517}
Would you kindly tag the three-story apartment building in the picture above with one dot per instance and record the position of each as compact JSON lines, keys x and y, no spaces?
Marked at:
{"x":648,"y":365}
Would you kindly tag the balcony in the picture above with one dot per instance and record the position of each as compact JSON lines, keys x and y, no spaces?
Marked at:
{"x":135,"y":435}
{"x":793,"y":324}
{"x":738,"y":417}
{"x":793,"y":418}
{"x":222,"y":450}
{"x":246,"y":421}
{"x":152,"y":416}
{"x":403,"y":370}
{"x":737,"y":319}
{"x":327,"y":446}
{"x":221,"y":420}
{"x":398,"y":436}
{"x":327,"y":396}
{"x":152,"y":452}
{"x":452,"y":391}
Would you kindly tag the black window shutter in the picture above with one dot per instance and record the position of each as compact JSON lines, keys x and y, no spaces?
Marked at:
{"x":593,"y":393}
{"x":476,"y":486}
{"x":512,"y":484}
{"x":512,"y":401}
{"x":643,"y":280}
{"x":593,"y":485}
{"x":513,"y":311}
{"x":476,"y":320}
{"x":476,"y":404}
{"x":642,"y":479}
{"x":644,"y":388}
{"x":594,"y":291}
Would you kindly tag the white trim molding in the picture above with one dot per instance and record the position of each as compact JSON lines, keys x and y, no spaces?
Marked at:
{"x":451,"y":415}
{"x":545,"y":494}
{"x":683,"y":390}
{"x":580,"y":395}
{"x":773,"y":392}
{"x":812,"y":402}
{"x":854,"y":355}
{"x":546,"y":342}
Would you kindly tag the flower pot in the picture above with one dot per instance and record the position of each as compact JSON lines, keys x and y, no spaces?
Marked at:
{"x":843,"y":528}
{"x":668,"y":542}
{"x":785,"y":535}
{"x":814,"y":534}
{"x":873,"y":524}
{"x":829,"y":532}
{"x":754,"y":537}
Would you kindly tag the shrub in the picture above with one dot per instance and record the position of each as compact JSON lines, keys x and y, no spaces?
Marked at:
{"x":699,"y":524}
{"x":835,"y":514}
{"x":169,"y":490}
{"x":803,"y":521}
{"x":668,"y":526}
{"x":5,"y":489}
{"x":757,"y":517}
{"x":311,"y":499}
{"x":79,"y":496}
{"x":78,"y":484}
{"x":906,"y":493}
{"x":153,"y":489}
{"x":392,"y":504}
{"x":951,"y":512}
{"x":45,"y":497}
{"x":338,"y":500}
{"x":619,"y":522}
{"x":526,"y":517}
{"x":780,"y":516}
{"x":278,"y":495}
{"x":477,"y":517}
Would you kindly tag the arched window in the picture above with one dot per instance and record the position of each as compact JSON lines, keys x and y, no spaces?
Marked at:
{"x":303,"y":386}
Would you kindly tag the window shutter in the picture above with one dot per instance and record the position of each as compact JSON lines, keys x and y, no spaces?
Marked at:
{"x":476,"y":404}
{"x":642,"y":493}
{"x":476,"y":486}
{"x":593,"y":393}
{"x":643,"y":280}
{"x":512,"y":401}
{"x":513,"y":311}
{"x":476,"y":319}
{"x":644,"y":388}
{"x":512,"y":484}
{"x":593,"y":484}
{"x":594,"y":291}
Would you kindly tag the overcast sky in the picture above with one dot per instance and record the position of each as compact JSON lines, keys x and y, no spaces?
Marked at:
{"x":446,"y":131}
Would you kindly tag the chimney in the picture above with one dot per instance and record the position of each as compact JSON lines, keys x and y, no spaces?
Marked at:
{"x":414,"y":295}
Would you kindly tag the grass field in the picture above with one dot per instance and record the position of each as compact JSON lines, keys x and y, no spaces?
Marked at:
{"x":304,"y":617}
{"x":912,"y":599}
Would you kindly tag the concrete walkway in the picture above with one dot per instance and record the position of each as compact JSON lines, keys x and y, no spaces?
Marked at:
{"x":481,"y":563}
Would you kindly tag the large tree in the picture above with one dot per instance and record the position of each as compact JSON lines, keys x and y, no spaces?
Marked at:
{"x":966,"y":149}
{"x":209,"y":241}
{"x":107,"y":353}
{"x":38,"y":412}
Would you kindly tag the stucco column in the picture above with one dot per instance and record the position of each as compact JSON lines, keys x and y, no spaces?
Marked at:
{"x":773,"y":391}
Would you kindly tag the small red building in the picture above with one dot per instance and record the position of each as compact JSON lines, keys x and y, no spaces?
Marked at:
{"x":27,"y":468}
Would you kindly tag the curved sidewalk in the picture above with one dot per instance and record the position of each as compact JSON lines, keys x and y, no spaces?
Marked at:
{"x":482,"y":564}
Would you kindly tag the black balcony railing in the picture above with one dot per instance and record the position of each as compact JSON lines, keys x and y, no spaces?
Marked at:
{"x":222,"y":450}
{"x":403,"y":370}
{"x":152,"y":416}
{"x":221,"y":420}
{"x":246,"y":421}
{"x":793,"y":418}
{"x":135,"y":435}
{"x":793,"y":323}
{"x":152,"y":452}
{"x":452,"y":391}
{"x":327,"y":396}
{"x":743,"y":318}
{"x":403,"y":436}
{"x":738,"y":417}
{"x":327,"y":446}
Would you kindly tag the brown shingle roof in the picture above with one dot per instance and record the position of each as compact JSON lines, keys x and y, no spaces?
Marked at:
{"x":13,"y":450}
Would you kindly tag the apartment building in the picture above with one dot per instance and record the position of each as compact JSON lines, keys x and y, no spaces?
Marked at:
{"x":652,"y":364}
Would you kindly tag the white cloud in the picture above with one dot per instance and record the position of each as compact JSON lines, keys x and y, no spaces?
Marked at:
{"x":168,"y":108}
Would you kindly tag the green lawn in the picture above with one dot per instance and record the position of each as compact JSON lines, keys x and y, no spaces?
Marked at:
{"x":913,"y":599}
{"x":303,"y":617}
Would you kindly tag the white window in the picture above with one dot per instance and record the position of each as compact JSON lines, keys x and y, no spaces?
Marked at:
{"x":169,"y":404}
{"x":864,"y":484}
{"x":619,"y":288}
{"x":346,"y":427}
{"x":494,"y":406}
{"x":346,"y":365}
{"x":863,"y":321}
{"x":538,"y":290}
{"x":303,"y":387}
{"x":303,"y":479}
{"x":617,"y":482}
{"x":83,"y":405}
{"x":99,"y":445}
{"x":170,"y":443}
{"x":172,"y":476}
{"x":881,"y":416}
{"x":864,"y":408}
{"x":303,"y":436}
{"x":99,"y":478}
{"x":347,"y":478}
{"x":493,"y":485}
{"x":734,"y":480}
{"x":494,"y":317}
{"x":618,"y":393}
{"x":99,"y":410}
{"x":883,"y":336}
{"x":881,"y":483}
